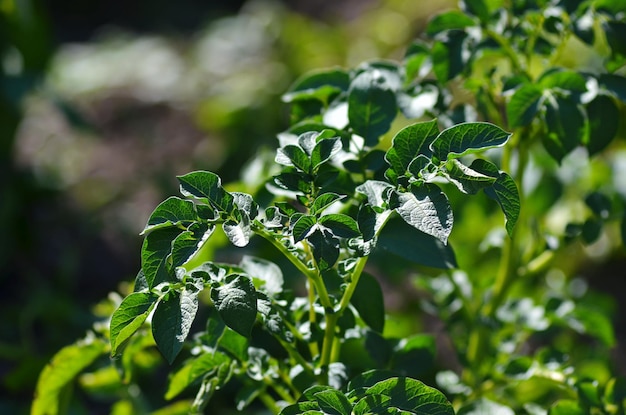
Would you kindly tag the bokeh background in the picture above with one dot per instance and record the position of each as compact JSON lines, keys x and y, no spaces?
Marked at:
{"x":103,"y":103}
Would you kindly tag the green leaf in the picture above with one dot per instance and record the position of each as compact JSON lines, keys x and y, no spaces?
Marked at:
{"x":465,"y":179}
{"x":236,"y":303}
{"x":203,"y":365}
{"x":367,"y":379}
{"x":426,"y":208}
{"x":484,"y":406}
{"x":324,"y":150}
{"x":172,"y":321}
{"x":615,"y":391}
{"x":504,"y":191}
{"x":323,"y":201}
{"x":320,"y":85}
{"x":453,"y":19}
{"x":464,"y":138}
{"x":412,"y":395}
{"x":373,"y":404}
{"x":325,"y":248}
{"x":371,"y":105}
{"x":302,"y":227}
{"x":623,"y":230}
{"x":301,"y":408}
{"x":603,"y":116}
{"x":172,"y":211}
{"x":56,"y":377}
{"x":235,"y":344}
{"x":369,"y":302}
{"x":295,"y":182}
{"x":400,"y":239}
{"x":333,"y":402}
{"x":566,"y":407}
{"x":246,"y":204}
{"x":238,"y":232}
{"x":599,"y":203}
{"x":419,"y":348}
{"x":563,"y":79}
{"x":292,"y":155}
{"x":189,"y":243}
{"x":129,"y":317}
{"x":524,"y":105}
{"x":410,"y":142}
{"x":448,"y":55}
{"x":614,"y":85}
{"x":207,"y":186}
{"x":484,"y":9}
{"x":566,"y":127}
{"x":155,"y":255}
{"x":340,"y":225}
{"x":376,"y":192}
{"x":264,"y":270}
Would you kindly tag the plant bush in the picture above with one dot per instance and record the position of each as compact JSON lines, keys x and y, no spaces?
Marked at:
{"x":520,"y":104}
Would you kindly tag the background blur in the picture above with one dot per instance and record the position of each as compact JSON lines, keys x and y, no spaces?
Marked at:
{"x":103,"y":103}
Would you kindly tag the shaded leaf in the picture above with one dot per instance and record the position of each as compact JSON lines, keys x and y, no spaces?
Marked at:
{"x":325,"y":248}
{"x":292,"y":155}
{"x":302,"y":227}
{"x":371,"y":105}
{"x":412,"y":395}
{"x":172,"y":321}
{"x":318,"y":85}
{"x":323,"y":201}
{"x":324,"y":150}
{"x":448,"y":55}
{"x":236,"y":303}
{"x":563,"y":79}
{"x":453,"y":19}
{"x":504,"y":191}
{"x":465,"y":179}
{"x":566,"y":127}
{"x":155,"y":255}
{"x":603,"y":116}
{"x":401,"y":239}
{"x":188,"y":243}
{"x":524,"y":105}
{"x":369,"y":302}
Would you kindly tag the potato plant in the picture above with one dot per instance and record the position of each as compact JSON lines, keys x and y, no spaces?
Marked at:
{"x":490,"y":105}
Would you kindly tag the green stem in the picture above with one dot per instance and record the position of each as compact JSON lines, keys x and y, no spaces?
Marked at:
{"x":282,"y":392}
{"x":329,"y":339}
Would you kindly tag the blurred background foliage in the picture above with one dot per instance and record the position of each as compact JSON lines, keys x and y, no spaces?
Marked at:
{"x":102,"y":104}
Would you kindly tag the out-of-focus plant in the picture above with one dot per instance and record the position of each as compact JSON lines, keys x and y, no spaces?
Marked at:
{"x":357,"y":174}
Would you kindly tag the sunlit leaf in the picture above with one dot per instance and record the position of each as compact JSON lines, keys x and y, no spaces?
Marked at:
{"x":426,"y":208}
{"x":129,"y":317}
{"x":453,"y":19}
{"x":172,"y":211}
{"x":410,"y":142}
{"x":207,"y":186}
{"x":463,"y":138}
{"x":57,"y":375}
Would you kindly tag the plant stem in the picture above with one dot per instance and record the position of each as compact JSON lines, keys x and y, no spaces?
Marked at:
{"x":269,"y":402}
{"x":329,"y":339}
